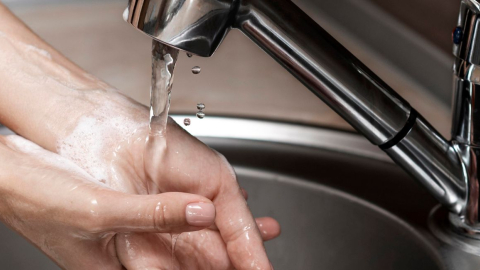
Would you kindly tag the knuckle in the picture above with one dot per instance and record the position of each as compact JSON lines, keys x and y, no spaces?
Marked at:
{"x":246,"y":232}
{"x":160,"y":220}
{"x":90,"y":224}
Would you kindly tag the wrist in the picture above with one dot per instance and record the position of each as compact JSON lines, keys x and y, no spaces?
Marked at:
{"x":88,"y":114}
{"x":43,"y":93}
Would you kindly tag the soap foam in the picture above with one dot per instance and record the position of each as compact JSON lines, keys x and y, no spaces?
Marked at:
{"x":94,"y":140}
{"x":31,"y":48}
{"x":25,"y":146}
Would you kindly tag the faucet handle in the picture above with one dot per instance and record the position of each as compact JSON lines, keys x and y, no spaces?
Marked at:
{"x":466,"y":35}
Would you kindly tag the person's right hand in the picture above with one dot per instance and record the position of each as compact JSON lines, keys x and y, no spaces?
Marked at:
{"x":69,"y":216}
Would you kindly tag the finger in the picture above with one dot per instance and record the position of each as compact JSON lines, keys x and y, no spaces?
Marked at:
{"x":167,"y":212}
{"x":268,"y":227}
{"x":138,"y":251}
{"x":238,"y":228}
{"x":244,"y":193}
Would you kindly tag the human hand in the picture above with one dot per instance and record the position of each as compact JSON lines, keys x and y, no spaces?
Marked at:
{"x":71,"y":217}
{"x":82,"y":119}
{"x":110,"y":144}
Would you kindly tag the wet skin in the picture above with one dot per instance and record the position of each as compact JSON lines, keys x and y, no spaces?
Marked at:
{"x":113,"y":222}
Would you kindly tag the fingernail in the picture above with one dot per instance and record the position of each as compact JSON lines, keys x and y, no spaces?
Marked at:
{"x":200,"y":214}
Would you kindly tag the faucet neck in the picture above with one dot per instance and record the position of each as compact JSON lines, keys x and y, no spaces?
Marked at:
{"x":351,"y":89}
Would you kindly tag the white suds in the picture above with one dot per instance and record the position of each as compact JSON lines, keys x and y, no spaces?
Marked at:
{"x":92,"y":143}
{"x":31,"y":48}
{"x":57,"y":161}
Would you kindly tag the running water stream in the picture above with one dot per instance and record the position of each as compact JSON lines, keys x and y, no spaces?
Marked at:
{"x":164,"y":59}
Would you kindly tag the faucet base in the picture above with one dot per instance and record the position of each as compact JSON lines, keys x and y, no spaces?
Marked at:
{"x":461,"y":227}
{"x":445,"y":227}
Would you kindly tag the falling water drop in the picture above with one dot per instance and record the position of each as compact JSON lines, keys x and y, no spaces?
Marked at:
{"x":189,"y":55}
{"x":196,"y":70}
{"x":125,"y":14}
{"x":201,"y":106}
{"x":200,"y":115}
{"x":186,"y":122}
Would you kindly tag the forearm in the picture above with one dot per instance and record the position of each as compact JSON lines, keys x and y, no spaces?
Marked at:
{"x":42,"y":92}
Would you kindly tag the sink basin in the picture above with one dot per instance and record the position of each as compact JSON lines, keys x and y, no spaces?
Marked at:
{"x":341,"y":203}
{"x":324,"y":228}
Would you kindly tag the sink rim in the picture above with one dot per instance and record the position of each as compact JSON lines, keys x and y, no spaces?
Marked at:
{"x":282,"y":132}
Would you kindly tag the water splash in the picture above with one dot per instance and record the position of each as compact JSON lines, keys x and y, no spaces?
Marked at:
{"x":186,"y":122}
{"x":200,"y":115}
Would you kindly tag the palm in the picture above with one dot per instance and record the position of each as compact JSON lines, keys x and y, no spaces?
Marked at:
{"x":203,"y":249}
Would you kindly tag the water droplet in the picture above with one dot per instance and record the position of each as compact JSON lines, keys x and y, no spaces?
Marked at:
{"x":189,"y":55}
{"x":196,"y":70}
{"x":125,"y":14}
{"x":201,"y":106}
{"x":186,"y":122}
{"x":200,"y":115}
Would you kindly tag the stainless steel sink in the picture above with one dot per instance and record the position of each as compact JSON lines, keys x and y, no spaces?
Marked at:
{"x":341,"y":203}
{"x":324,"y":228}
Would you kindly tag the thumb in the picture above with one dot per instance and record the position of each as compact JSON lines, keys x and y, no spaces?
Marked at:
{"x":172,"y":212}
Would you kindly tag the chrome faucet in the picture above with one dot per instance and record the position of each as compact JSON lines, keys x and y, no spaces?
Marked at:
{"x":448,"y":169}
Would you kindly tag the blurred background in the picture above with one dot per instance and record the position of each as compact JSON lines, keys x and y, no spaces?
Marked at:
{"x":407,"y":43}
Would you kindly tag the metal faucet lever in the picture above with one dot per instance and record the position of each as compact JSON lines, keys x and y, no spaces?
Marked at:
{"x":447,"y":169}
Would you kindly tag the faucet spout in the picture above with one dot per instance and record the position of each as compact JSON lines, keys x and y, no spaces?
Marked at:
{"x":327,"y":69}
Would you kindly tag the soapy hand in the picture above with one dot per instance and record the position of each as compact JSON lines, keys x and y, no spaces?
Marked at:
{"x":63,"y":211}
{"x":81,"y":223}
{"x":98,"y":207}
{"x":180,"y":163}
{"x":186,"y":165}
